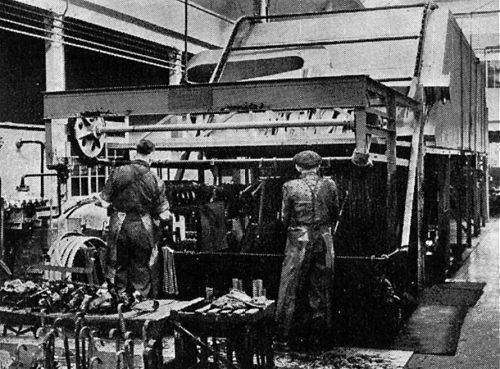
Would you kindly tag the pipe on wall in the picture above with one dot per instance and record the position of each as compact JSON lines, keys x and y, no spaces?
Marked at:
{"x":20,"y":144}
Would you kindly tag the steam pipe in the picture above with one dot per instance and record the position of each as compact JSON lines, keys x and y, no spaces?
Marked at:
{"x":20,"y":143}
{"x":23,"y":187}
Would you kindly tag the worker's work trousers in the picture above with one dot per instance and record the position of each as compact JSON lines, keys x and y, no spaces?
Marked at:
{"x":132,"y":257}
{"x":306,"y":279}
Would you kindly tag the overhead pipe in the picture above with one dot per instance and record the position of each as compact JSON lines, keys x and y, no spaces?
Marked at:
{"x":241,"y":163}
{"x":227,"y":126}
{"x":20,"y":144}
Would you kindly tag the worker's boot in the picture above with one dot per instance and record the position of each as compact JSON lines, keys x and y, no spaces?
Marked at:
{"x":318,"y":335}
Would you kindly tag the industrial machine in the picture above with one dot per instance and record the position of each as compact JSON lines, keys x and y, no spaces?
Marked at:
{"x":392,"y":98}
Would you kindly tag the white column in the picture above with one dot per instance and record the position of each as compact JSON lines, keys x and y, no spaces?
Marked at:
{"x":260,"y":7}
{"x":55,"y":71}
{"x":176,"y":75}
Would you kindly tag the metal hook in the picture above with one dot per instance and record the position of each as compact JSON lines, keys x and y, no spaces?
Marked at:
{"x":18,"y":354}
{"x":121,"y":319}
{"x":145,"y":333}
{"x":87,"y":351}
{"x":129,"y":349}
{"x":94,"y":360}
{"x":115,"y":333}
{"x":120,"y":355}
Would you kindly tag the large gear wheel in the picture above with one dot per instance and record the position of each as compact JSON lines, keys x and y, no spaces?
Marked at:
{"x":85,"y":138}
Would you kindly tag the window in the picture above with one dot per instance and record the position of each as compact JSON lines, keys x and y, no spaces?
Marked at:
{"x":88,"y":180}
{"x":493,"y":73}
{"x":492,"y":67}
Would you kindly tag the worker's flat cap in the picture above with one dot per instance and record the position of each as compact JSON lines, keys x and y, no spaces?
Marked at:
{"x":307,"y":159}
{"x":145,"y":147}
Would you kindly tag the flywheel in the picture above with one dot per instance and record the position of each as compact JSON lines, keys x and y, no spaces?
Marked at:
{"x":85,"y":137}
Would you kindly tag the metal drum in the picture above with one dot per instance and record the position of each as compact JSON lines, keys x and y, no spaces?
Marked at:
{"x":76,"y":250}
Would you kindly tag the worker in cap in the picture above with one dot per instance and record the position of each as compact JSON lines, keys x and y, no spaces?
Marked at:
{"x":309,"y":209}
{"x":307,"y":160}
{"x":138,"y":200}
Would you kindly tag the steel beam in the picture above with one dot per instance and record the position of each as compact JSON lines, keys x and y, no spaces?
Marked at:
{"x":219,"y":98}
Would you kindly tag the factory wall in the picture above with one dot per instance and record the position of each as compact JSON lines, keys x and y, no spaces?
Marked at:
{"x":22,"y":78}
{"x":88,"y":69}
{"x":461,"y":122}
{"x":16,"y":162}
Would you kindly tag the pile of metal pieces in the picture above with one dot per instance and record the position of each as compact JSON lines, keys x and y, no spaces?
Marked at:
{"x":58,"y":296}
{"x":22,"y":212}
{"x":185,"y":194}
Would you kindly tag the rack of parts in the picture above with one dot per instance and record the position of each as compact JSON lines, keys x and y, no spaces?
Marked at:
{"x":208,"y":336}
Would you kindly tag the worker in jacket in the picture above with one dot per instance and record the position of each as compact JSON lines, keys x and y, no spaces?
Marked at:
{"x":137,"y":198}
{"x":309,"y":209}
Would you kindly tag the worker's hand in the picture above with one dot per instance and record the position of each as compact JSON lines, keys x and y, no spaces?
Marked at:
{"x":166,"y":217}
{"x":98,"y":201}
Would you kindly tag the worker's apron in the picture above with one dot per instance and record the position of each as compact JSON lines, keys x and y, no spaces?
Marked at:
{"x":142,"y":276}
{"x":306,"y":278}
{"x":306,"y":275}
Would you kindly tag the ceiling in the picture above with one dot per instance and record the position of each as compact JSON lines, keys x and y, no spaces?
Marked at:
{"x":236,"y":8}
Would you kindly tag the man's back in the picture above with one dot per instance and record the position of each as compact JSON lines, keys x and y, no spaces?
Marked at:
{"x":133,"y":188}
{"x":310,"y":200}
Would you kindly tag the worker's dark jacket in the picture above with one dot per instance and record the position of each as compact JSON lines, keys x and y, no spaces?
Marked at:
{"x":309,"y":209}
{"x":137,"y":196}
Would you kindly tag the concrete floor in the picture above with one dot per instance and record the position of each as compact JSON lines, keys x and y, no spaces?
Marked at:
{"x":479,"y":344}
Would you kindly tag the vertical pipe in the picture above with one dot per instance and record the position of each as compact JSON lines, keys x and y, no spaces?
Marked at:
{"x":461,"y":94}
{"x":185,"y":39}
{"x":42,"y":166}
{"x":2,"y":239}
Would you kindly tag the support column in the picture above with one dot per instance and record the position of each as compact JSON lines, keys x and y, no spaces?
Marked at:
{"x":260,"y":7}
{"x":421,"y":268}
{"x":55,"y":67}
{"x":485,"y":209}
{"x":468,"y":199}
{"x":392,"y":196}
{"x":459,"y":203}
{"x":476,"y":183}
{"x":443,"y":251}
